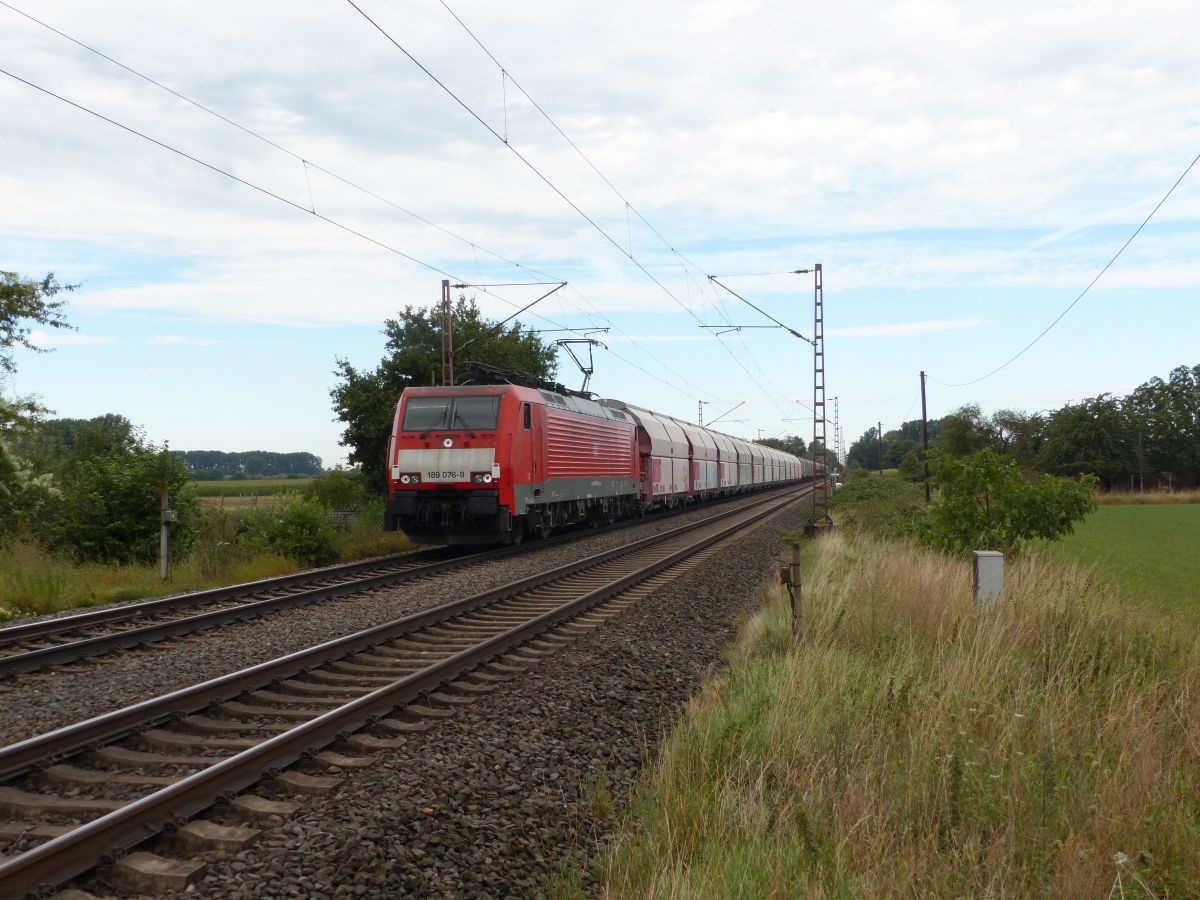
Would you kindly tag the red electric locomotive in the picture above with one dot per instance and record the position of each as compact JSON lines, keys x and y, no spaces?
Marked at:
{"x":487,"y":463}
{"x":490,"y":463}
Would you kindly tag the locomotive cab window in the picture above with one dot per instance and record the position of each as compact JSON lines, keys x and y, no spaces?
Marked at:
{"x":452,"y":413}
{"x":426,"y":412}
{"x":527,"y":415}
{"x":475,"y":413}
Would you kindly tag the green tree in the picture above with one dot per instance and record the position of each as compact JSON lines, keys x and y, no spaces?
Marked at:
{"x":365,"y":399}
{"x":25,"y":303}
{"x":986,"y":504}
{"x":1019,"y":434}
{"x":1093,"y":436}
{"x":865,"y":451}
{"x":1165,"y":424}
{"x":965,"y":431}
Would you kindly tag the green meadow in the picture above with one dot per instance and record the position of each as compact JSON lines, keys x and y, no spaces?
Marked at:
{"x":1151,"y":551}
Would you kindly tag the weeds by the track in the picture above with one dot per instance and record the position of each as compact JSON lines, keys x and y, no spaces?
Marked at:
{"x":34,"y":581}
{"x":916,"y":747}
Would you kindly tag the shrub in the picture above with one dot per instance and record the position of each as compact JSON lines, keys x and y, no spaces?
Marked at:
{"x":885,"y":506}
{"x":299,"y":529}
{"x":365,"y":537}
{"x":110,"y":506}
{"x":987,"y":504}
{"x":339,"y":489}
{"x":911,"y":466}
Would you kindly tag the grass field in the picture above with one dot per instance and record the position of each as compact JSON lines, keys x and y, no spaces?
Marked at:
{"x":1151,"y":551}
{"x":914,"y":746}
{"x":261,"y":487}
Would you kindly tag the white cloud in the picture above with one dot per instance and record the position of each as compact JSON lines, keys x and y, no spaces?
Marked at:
{"x":958,"y":149}
{"x":63,"y":338}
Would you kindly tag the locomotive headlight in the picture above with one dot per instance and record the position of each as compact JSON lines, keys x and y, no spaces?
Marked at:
{"x":410,"y":478}
{"x":404,"y":479}
{"x":481,"y":477}
{"x":487,"y":478}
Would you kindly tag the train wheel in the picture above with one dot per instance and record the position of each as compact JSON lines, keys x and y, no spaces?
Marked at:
{"x":544,"y":531}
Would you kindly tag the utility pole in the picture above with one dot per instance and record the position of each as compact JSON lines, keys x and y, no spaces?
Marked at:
{"x":700,"y":417}
{"x":164,"y":536}
{"x":1141,"y":467}
{"x":447,"y":337}
{"x":879,"y":435}
{"x":925,"y":436}
{"x":166,"y":517}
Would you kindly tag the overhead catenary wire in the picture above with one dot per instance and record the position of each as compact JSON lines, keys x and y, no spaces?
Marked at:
{"x":226,"y":173}
{"x":629,"y":207}
{"x":309,"y":164}
{"x":1082,"y":293}
{"x":542,"y":176}
{"x":281,"y":199}
{"x":718,"y":303}
{"x":310,"y":208}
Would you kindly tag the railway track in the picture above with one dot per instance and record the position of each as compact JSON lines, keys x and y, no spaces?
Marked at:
{"x":82,"y":795}
{"x":39,"y":644}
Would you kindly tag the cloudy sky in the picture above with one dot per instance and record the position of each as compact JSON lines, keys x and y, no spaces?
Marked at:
{"x":961,"y":173}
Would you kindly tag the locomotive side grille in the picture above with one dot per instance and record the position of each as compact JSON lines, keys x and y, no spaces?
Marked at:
{"x":579,"y":446}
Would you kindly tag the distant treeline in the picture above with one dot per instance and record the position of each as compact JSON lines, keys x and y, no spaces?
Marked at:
{"x":1148,"y":437}
{"x":214,"y":465}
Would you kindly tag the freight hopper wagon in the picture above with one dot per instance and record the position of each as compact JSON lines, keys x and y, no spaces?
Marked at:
{"x":493,"y":463}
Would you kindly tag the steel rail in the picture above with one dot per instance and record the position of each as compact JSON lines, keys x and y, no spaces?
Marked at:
{"x":80,"y":849}
{"x":58,"y":654}
{"x":32,"y":660}
{"x":46,"y":627}
{"x":61,"y":743}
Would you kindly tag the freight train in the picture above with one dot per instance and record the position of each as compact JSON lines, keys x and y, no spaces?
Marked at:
{"x":494,"y":463}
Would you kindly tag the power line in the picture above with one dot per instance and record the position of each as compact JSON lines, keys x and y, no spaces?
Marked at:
{"x":1071,"y":306}
{"x":307,"y":164}
{"x":228,"y":174}
{"x":792,"y":331}
{"x":717,"y":300}
{"x":544,"y":178}
{"x":508,"y":76}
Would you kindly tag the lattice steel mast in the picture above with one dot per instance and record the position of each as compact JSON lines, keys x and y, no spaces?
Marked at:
{"x":820,"y":513}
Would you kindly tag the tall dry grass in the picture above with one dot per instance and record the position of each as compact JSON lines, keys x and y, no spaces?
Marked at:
{"x":916,"y":747}
{"x":1149,"y":497}
{"x":35,"y":582}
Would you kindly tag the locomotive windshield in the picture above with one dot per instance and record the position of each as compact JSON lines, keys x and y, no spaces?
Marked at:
{"x":478,"y":413}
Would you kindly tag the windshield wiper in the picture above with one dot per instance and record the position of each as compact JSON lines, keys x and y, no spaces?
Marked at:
{"x":436,"y":422}
{"x":458,"y":418}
